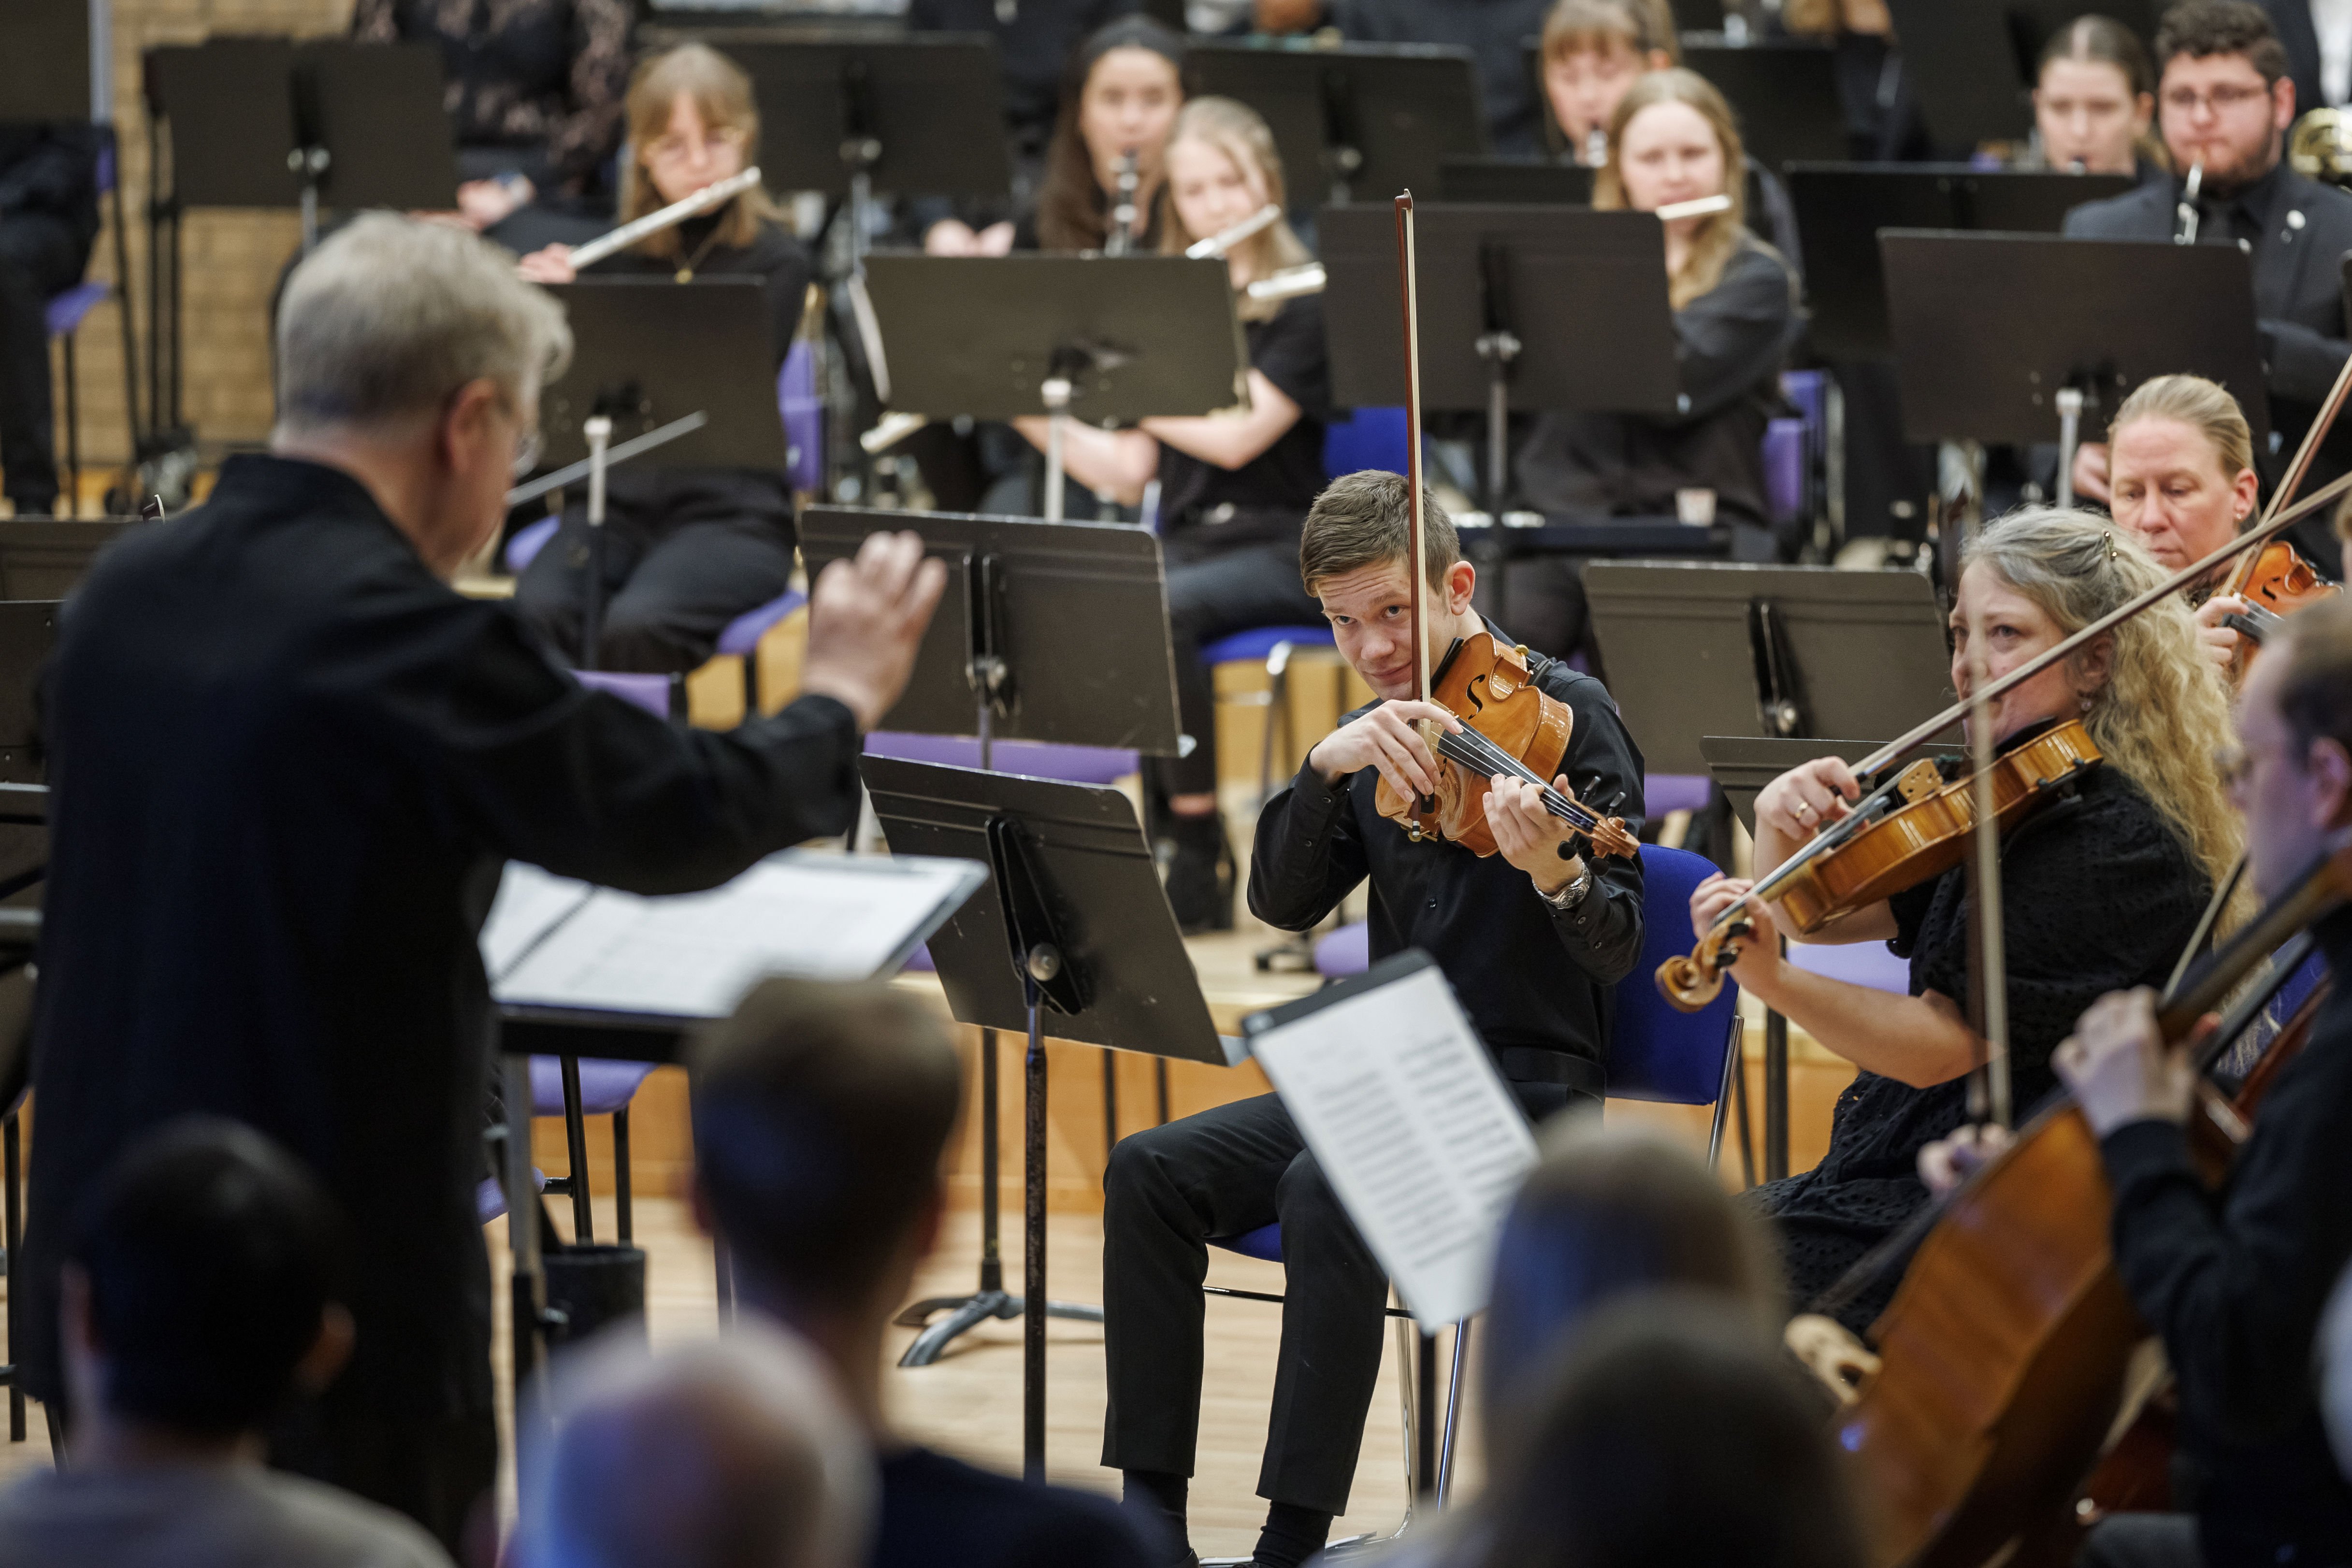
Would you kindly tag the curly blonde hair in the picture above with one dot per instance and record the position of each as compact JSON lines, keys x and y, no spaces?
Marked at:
{"x":2164,"y":712}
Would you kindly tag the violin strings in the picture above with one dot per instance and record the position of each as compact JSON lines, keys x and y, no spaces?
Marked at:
{"x":1478,"y":751}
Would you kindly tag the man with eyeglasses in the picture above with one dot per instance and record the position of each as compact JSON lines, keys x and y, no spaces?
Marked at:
{"x":288,"y":761}
{"x":2224,"y":102}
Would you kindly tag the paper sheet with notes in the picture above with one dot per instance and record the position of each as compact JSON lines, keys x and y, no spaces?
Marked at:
{"x":554,"y":941}
{"x":1403,"y":1106}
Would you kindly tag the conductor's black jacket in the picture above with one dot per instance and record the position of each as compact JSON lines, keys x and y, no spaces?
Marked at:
{"x":288,"y":763}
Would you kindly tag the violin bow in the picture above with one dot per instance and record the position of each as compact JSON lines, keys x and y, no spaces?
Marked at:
{"x":1417,"y":541}
{"x":2292,"y":480}
{"x":1989,"y":1082}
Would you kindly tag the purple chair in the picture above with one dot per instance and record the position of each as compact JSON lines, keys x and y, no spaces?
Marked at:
{"x":490,"y":1195}
{"x":576,"y":1088}
{"x":1368,"y":438}
{"x":529,"y":540}
{"x":1029,"y":758}
{"x":1347,"y":951}
{"x":1663,"y":792}
{"x":803,"y":412}
{"x":1274,"y":644}
{"x":1785,"y":469}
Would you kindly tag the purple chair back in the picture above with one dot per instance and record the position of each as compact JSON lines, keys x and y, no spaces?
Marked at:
{"x":1784,"y":469}
{"x":1369,"y":438}
{"x":1033,"y":760}
{"x":529,"y":540}
{"x":1656,"y":1052}
{"x":803,"y":413}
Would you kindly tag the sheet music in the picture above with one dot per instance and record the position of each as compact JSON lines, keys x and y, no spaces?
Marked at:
{"x":531,"y":904}
{"x":693,"y":955}
{"x":1413,"y":1127}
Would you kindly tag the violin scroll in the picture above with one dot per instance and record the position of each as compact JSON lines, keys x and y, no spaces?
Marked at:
{"x":1691,"y":982}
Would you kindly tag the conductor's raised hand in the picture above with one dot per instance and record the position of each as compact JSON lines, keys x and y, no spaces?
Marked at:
{"x":1385,"y":737}
{"x":867,"y":617}
{"x":1805,"y":800}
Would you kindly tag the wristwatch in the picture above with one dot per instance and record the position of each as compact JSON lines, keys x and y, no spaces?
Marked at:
{"x":1570,"y":896}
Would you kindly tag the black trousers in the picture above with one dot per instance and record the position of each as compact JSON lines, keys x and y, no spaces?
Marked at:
{"x":1213,"y":593}
{"x":1223,"y":1173}
{"x":667,"y":592}
{"x":39,"y":257}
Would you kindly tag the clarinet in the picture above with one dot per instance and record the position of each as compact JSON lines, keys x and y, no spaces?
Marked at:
{"x":2185,"y":214}
{"x":1121,"y":238}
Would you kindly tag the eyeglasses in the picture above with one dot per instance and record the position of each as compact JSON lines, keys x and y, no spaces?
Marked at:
{"x":2221,"y":100}
{"x":2234,"y":763}
{"x":526,"y":451}
{"x":673,"y":148}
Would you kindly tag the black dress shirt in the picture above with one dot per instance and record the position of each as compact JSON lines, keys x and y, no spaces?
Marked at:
{"x":2298,"y":231}
{"x":1498,"y":941}
{"x":1267,"y":498}
{"x":287,"y":765}
{"x":2235,"y":1282}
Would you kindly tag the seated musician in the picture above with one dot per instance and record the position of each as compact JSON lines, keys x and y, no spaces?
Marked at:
{"x":1532,"y":939}
{"x":1233,"y":489}
{"x":687,"y":550}
{"x":1120,"y":99}
{"x":534,"y":95}
{"x":1672,"y":138}
{"x":2234,"y":1280}
{"x":2094,"y":100}
{"x":2223,"y":104}
{"x":1593,"y":51}
{"x":2100,"y":889}
{"x":2180,"y":461}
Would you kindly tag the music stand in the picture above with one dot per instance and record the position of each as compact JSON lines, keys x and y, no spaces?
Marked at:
{"x":1962,"y":60}
{"x":1785,"y":96}
{"x":648,"y":351}
{"x":1094,"y":338}
{"x":28,"y":631}
{"x":1989,"y":328}
{"x":47,"y":558}
{"x":1073,"y":921}
{"x":1493,"y":282}
{"x":52,"y":69}
{"x":1743,"y":765}
{"x":855,"y":116}
{"x":1375,"y":118}
{"x":1842,"y":207}
{"x":1513,"y":181}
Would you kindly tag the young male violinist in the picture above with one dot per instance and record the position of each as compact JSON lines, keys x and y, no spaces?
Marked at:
{"x":1533,"y":938}
{"x":2234,"y":1280}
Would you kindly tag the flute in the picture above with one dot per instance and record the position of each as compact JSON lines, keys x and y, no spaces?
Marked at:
{"x":705,"y":200}
{"x":1217,"y":247}
{"x":1697,"y":207}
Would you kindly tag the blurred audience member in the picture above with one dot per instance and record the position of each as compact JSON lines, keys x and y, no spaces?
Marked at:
{"x":821,"y":1113}
{"x":200,"y":1296}
{"x":730,"y":1453}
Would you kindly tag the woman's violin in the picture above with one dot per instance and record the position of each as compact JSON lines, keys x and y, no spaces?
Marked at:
{"x":1913,"y":827}
{"x":2275,"y":581}
{"x":1510,"y":728}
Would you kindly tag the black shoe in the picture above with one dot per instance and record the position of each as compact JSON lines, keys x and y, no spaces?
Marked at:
{"x":1201,"y":874}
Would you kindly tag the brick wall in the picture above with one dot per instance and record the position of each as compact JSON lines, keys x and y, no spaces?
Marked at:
{"x":232,"y":257}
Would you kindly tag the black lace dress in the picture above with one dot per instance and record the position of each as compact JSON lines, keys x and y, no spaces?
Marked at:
{"x":2097,"y":895}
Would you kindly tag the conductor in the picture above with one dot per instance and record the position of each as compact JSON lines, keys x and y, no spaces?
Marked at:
{"x":288,"y":763}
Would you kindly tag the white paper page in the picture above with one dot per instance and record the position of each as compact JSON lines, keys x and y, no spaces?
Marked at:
{"x":1413,"y":1127}
{"x":695,"y":955}
{"x":530,"y":902}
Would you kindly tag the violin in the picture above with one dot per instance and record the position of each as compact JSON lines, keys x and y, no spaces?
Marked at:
{"x":1510,"y":728}
{"x":1914,"y":827}
{"x":2005,"y":1350}
{"x":2275,"y":581}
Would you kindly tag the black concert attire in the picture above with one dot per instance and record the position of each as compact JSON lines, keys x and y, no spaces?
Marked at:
{"x":937,"y":1510}
{"x":288,"y":764}
{"x":535,"y":88}
{"x":1496,"y":31}
{"x":2234,"y":1282}
{"x":687,"y":550}
{"x":1537,"y":985}
{"x":1730,"y":345}
{"x":48,"y":216}
{"x":2296,"y":231}
{"x":2097,"y":895}
{"x":1230,"y":536}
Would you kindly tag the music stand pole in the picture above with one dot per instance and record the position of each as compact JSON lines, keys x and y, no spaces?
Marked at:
{"x":1055,"y":393}
{"x":598,"y":431}
{"x":1498,"y":348}
{"x":2069,"y":422}
{"x":310,"y":165}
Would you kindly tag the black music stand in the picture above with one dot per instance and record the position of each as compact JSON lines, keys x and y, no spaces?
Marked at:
{"x":1514,"y":181}
{"x":1785,"y":94}
{"x":1963,"y":65}
{"x":1494,"y":283}
{"x":1092,"y":337}
{"x":1842,"y":207}
{"x":47,"y":558}
{"x":857,"y":116}
{"x":1700,"y":650}
{"x":994,"y":663}
{"x":1073,"y":923}
{"x":648,"y":351}
{"x":52,"y":70}
{"x":1370,"y":119}
{"x":28,"y":631}
{"x":1988,"y":329}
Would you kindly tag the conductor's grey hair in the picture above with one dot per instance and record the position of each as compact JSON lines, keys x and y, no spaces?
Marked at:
{"x":389,"y":318}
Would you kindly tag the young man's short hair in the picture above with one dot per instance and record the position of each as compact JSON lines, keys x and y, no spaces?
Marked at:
{"x":211,"y":1255}
{"x":1365,"y":519}
{"x":2204,"y":28}
{"x":820,"y":1113}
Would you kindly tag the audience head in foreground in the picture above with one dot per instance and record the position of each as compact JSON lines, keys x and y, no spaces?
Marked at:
{"x":821,"y":1114}
{"x":1671,"y":1432}
{"x":199,"y":1299}
{"x":730,"y":1453}
{"x":1611,"y":1212}
{"x":410,"y":355}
